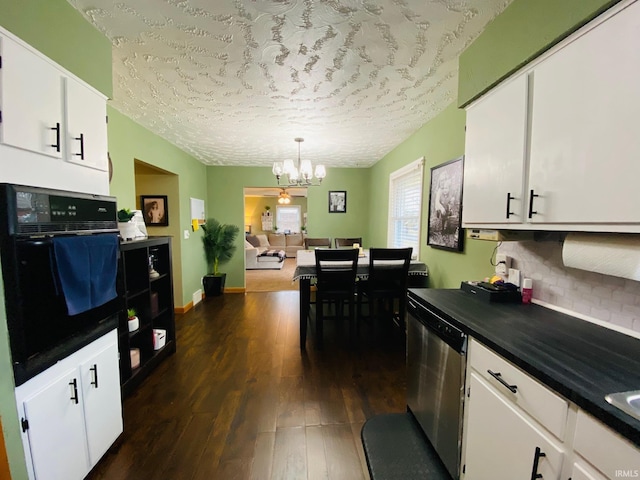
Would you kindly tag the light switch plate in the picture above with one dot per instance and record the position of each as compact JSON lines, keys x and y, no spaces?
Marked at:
{"x":186,"y":234}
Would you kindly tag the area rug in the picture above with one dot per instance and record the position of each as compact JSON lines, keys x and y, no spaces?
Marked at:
{"x":272,"y":280}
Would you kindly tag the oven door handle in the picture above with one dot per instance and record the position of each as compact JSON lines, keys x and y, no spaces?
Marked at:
{"x":498,"y":377}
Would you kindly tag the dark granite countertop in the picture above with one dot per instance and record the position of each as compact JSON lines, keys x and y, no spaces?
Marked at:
{"x":579,"y":360}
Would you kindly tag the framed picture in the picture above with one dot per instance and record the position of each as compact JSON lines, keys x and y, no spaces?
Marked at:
{"x":155,"y":210}
{"x":338,"y":201}
{"x":445,"y":206}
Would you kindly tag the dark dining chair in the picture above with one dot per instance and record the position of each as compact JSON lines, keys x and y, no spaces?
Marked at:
{"x":336,"y":282}
{"x":387,"y":282}
{"x":313,"y":243}
{"x":347,"y":242}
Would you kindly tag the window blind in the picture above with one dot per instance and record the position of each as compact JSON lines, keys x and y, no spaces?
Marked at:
{"x":405,"y":207}
{"x":288,"y":218}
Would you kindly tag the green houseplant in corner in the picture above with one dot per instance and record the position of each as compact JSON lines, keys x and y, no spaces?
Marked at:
{"x":219,"y":245}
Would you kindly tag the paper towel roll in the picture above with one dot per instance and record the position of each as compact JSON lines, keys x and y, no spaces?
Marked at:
{"x":609,"y":254}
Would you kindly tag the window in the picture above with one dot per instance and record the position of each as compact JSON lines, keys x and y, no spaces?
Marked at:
{"x":288,"y":218}
{"x":405,"y":207}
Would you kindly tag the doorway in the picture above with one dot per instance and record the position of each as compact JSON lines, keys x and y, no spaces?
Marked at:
{"x":261,"y":217}
{"x":154,"y":181}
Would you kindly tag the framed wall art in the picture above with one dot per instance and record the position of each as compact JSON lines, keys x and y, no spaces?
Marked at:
{"x":155,"y":210}
{"x":445,"y":206}
{"x":338,"y":201}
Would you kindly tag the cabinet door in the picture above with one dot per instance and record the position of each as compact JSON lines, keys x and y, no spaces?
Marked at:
{"x":102,"y":401}
{"x":580,"y":471}
{"x":495,"y":156}
{"x":56,"y":430}
{"x":585,"y":124}
{"x":500,"y":443}
{"x":86,"y":126}
{"x":31,"y":90}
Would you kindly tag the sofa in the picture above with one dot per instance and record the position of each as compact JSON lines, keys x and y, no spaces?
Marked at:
{"x":262,"y":256}
{"x":290,"y":243}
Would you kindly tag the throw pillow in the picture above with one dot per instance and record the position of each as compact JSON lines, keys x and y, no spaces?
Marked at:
{"x":247,"y":244}
{"x":253,"y":240}
{"x":263,"y":242}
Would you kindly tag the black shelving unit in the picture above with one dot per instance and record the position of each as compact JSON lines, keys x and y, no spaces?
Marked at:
{"x":152,"y":299}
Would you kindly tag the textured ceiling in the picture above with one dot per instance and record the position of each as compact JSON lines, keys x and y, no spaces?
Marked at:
{"x":232,"y":82}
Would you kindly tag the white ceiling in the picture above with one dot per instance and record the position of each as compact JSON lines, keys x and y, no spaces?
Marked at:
{"x":233,"y":82}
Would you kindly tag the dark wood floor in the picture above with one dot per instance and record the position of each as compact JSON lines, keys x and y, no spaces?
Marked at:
{"x":239,"y":400}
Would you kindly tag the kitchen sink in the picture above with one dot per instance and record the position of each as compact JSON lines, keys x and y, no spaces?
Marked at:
{"x":628,"y":402}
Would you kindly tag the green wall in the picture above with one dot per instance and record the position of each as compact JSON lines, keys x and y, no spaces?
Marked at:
{"x":440,"y":140}
{"x":523,"y":31}
{"x":129,"y":141}
{"x":59,"y":31}
{"x":225,"y":202}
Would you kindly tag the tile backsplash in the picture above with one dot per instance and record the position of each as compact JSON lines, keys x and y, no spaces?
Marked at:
{"x":606,"y":298}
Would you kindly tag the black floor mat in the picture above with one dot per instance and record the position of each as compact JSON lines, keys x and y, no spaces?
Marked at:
{"x":396,"y":449}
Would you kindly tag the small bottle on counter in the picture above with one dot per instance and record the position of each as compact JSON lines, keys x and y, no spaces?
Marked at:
{"x":527,"y":290}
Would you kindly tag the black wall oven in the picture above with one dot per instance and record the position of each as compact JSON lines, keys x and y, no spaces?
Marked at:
{"x":59,"y":253}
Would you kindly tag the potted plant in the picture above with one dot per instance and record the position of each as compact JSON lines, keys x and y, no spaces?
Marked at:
{"x":219,"y":245}
{"x":127,"y":228}
{"x":133,"y":322}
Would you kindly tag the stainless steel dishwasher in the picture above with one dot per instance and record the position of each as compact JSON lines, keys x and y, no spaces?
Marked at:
{"x":436,"y":364}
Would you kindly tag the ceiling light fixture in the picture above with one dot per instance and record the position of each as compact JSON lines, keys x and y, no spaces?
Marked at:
{"x":284,"y":198}
{"x":302,"y":175}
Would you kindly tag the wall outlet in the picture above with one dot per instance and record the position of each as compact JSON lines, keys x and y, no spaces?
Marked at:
{"x":503,"y":263}
{"x":514,"y":276}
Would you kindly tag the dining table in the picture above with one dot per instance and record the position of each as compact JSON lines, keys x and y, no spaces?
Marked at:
{"x":305,"y":272}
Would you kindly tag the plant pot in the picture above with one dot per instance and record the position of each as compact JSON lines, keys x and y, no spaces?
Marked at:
{"x":128,"y":230}
{"x":214,"y":284}
{"x":133,"y":323}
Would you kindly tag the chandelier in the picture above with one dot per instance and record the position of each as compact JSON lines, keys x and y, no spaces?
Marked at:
{"x":284,"y":198}
{"x":300,"y":175}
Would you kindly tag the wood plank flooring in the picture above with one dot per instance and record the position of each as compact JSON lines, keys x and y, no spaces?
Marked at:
{"x":239,"y":400}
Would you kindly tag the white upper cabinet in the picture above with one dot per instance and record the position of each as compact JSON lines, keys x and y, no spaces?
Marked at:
{"x":31,"y":101}
{"x":585,"y":153}
{"x":559,"y":140}
{"x":495,"y":156}
{"x":86,"y":126}
{"x":51,"y":123}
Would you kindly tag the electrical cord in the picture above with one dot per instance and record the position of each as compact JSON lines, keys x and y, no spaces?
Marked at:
{"x":493,"y":254}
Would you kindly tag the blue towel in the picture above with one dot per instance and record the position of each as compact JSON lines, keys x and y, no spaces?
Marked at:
{"x":87,"y":269}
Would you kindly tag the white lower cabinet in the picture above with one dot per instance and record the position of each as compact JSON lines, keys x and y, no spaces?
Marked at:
{"x":600,"y":453}
{"x":503,"y":443}
{"x":72,"y":412}
{"x":49,"y":413}
{"x":581,"y":471}
{"x":517,"y":428}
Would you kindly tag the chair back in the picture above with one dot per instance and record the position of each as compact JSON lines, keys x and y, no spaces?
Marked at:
{"x":348,"y":242}
{"x":317,"y":243}
{"x":389,"y":270}
{"x":336,"y":271}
